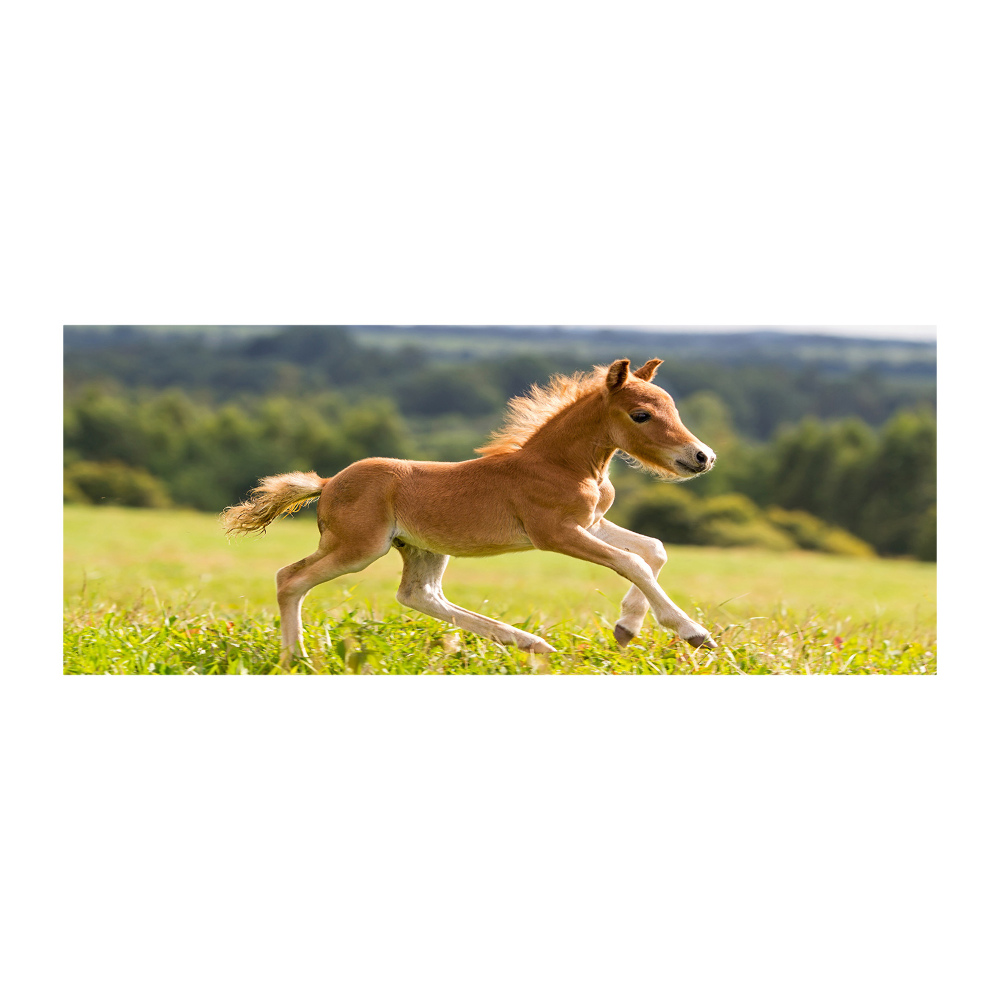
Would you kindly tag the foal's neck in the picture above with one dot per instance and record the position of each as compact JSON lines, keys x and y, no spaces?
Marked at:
{"x":577,"y":439}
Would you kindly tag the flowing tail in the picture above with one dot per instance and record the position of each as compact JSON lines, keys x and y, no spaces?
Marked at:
{"x":275,"y":495}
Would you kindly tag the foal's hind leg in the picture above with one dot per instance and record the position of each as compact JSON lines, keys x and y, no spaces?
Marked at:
{"x":333,"y":558}
{"x":634,"y":604}
{"x":420,"y":589}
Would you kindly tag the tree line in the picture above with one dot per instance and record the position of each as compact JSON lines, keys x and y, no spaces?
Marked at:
{"x":760,"y":395}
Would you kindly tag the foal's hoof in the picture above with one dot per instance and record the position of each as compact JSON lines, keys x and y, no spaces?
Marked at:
{"x":623,"y":636}
{"x":700,"y":639}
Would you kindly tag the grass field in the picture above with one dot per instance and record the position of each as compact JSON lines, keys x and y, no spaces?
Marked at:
{"x":159,"y":591}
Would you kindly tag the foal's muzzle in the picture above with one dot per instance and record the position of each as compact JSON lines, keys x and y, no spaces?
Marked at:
{"x":697,"y":458}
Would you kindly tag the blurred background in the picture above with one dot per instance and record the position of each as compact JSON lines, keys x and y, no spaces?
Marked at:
{"x":825,"y":437}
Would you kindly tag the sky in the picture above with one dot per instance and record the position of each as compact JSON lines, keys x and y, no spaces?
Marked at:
{"x":880,"y":332}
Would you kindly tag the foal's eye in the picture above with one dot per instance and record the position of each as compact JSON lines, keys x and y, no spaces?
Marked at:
{"x":640,"y":417}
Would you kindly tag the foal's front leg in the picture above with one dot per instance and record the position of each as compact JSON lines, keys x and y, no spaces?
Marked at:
{"x":420,"y":589}
{"x":572,"y":540}
{"x":634,"y":604}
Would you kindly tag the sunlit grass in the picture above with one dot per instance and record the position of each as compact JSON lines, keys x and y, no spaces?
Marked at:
{"x":164,"y":592}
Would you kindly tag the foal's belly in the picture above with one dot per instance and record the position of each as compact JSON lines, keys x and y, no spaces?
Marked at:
{"x":461,"y":538}
{"x":468,"y":542}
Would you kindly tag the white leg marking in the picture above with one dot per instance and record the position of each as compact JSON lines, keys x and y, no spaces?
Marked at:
{"x":577,"y":542}
{"x":634,"y":604}
{"x":420,"y":589}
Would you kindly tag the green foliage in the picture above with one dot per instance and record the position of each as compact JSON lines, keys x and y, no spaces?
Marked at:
{"x":733,"y":519}
{"x":926,"y":542}
{"x":675,"y":516}
{"x":878,"y":486}
{"x":733,"y":508}
{"x":112,"y":483}
{"x":210,"y":457}
{"x":809,"y":532}
{"x":449,"y":389}
{"x":902,"y":482}
{"x":822,"y":468}
{"x":667,"y":514}
{"x":72,"y":493}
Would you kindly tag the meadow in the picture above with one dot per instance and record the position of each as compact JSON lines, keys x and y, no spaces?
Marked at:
{"x":164,"y":592}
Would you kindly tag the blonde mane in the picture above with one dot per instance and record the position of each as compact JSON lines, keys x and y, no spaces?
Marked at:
{"x":526,"y":414}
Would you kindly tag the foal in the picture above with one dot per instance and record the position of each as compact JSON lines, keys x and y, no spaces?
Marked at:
{"x":542,"y":483}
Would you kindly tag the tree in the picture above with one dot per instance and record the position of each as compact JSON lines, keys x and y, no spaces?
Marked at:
{"x":902,"y":484}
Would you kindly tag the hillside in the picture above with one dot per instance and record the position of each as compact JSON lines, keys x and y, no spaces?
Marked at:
{"x":759,"y":346}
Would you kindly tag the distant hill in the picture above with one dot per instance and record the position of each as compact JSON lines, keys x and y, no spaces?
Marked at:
{"x":592,"y":345}
{"x":602,"y":344}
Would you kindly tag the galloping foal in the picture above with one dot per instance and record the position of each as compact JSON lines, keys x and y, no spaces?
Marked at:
{"x":542,"y":483}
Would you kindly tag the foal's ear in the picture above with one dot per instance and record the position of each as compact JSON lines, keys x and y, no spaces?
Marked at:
{"x":617,"y":374}
{"x":648,"y":370}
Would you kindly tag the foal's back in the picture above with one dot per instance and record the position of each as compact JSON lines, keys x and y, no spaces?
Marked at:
{"x":459,"y":508}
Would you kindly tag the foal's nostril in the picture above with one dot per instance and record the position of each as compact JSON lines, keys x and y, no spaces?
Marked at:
{"x":702,"y":457}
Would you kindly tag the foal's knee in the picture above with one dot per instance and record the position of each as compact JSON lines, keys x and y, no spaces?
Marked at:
{"x":656,"y":556}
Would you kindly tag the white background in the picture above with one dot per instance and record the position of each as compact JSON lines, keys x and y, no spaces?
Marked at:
{"x":712,"y":164}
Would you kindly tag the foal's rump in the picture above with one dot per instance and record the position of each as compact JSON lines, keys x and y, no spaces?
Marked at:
{"x":456,"y":508}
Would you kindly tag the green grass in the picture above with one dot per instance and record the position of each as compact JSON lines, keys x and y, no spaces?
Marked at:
{"x":150,"y":591}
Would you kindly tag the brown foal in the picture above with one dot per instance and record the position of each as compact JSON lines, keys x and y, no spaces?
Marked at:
{"x":542,"y":482}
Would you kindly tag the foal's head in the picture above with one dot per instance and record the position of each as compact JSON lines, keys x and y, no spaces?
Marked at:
{"x":644,"y":423}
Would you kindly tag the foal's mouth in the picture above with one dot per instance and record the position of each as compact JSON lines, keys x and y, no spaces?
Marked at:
{"x":691,"y":471}
{"x":684,"y":472}
{"x":667,"y":468}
